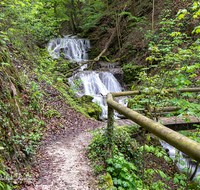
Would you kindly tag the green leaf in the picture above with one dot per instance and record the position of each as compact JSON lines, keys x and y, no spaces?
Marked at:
{"x":176,"y":180}
{"x":2,"y":185}
{"x":117,"y":166}
{"x":168,"y":178}
{"x":162,"y":174}
{"x":181,"y":16}
{"x":110,"y":169}
{"x":182,"y":183}
{"x":159,"y":155}
{"x":6,"y":64}
{"x":8,"y":187}
{"x":147,"y":148}
{"x":167,"y":158}
{"x":1,"y":172}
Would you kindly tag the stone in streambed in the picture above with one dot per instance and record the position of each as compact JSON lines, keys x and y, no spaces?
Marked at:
{"x":93,"y":109}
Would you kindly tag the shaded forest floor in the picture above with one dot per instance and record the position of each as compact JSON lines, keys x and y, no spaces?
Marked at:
{"x":61,"y":159}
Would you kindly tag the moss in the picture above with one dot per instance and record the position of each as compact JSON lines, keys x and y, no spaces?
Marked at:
{"x":69,"y":74}
{"x":93,"y":109}
{"x":86,"y":98}
{"x":94,"y":52}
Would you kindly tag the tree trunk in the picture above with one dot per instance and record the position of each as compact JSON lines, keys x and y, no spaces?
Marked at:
{"x":79,"y":5}
{"x":153,"y":17}
{"x":75,"y":18}
{"x":133,"y":8}
{"x":73,"y":27}
{"x":55,"y":10}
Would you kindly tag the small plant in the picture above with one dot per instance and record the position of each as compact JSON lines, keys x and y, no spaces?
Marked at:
{"x":75,"y":86}
{"x":50,"y":113}
{"x":123,"y":172}
{"x":3,"y":185}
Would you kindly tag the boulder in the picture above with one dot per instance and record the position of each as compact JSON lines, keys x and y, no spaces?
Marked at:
{"x":86,"y":98}
{"x":93,"y":109}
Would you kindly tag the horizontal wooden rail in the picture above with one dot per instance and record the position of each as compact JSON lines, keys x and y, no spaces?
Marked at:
{"x":182,"y":143}
{"x":137,"y":92}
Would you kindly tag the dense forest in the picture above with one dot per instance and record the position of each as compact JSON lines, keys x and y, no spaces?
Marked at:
{"x":53,"y":137}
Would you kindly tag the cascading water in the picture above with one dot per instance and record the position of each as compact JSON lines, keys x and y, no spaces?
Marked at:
{"x":97,"y":84}
{"x":72,"y":47}
{"x":184,"y":162}
{"x":94,"y":83}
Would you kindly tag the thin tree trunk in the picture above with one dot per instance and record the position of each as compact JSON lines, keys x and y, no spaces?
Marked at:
{"x":79,"y":5}
{"x":153,"y":17}
{"x":72,"y":23}
{"x":118,"y":31}
{"x":55,"y":10}
{"x":133,"y":8}
{"x":74,"y":14}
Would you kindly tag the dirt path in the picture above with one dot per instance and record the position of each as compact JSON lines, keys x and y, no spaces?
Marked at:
{"x":63,"y":163}
{"x":69,"y":168}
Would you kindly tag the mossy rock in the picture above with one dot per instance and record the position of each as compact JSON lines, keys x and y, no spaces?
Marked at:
{"x":93,"y":109}
{"x":86,"y":99}
{"x":69,"y":74}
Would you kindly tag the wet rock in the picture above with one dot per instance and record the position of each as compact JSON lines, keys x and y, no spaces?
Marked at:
{"x":118,"y":74}
{"x":103,"y":64}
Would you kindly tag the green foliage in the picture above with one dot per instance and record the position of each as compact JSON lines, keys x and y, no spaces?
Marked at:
{"x":122,"y":172}
{"x":36,"y":97}
{"x":91,"y":13}
{"x":130,"y":72}
{"x":172,"y":63}
{"x":3,"y":186}
{"x":75,"y":86}
{"x":121,"y":166}
{"x":50,"y":113}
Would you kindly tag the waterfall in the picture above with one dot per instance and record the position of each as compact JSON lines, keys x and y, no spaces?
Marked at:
{"x":94,"y":83}
{"x":97,"y":84}
{"x":72,"y":47}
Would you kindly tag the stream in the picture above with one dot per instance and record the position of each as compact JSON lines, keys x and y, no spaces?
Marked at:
{"x":94,"y":83}
{"x":183,"y":162}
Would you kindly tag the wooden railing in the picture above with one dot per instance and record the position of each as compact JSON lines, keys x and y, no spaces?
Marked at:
{"x":182,"y":143}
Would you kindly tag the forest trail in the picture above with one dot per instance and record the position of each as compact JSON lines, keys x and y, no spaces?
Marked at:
{"x":69,"y":169}
{"x":62,"y":160}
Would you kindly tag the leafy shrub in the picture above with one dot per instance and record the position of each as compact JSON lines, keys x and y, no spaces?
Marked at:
{"x":122,"y":172}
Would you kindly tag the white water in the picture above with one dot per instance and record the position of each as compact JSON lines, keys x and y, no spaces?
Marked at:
{"x":183,"y":159}
{"x":96,"y":84}
{"x":73,"y":48}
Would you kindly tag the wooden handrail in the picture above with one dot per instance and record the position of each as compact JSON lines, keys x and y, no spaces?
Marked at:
{"x":184,"y":144}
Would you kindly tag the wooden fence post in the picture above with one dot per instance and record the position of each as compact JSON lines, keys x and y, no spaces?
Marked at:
{"x":109,"y":131}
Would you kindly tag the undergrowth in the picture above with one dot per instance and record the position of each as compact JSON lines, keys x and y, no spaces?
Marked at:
{"x":135,"y":164}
